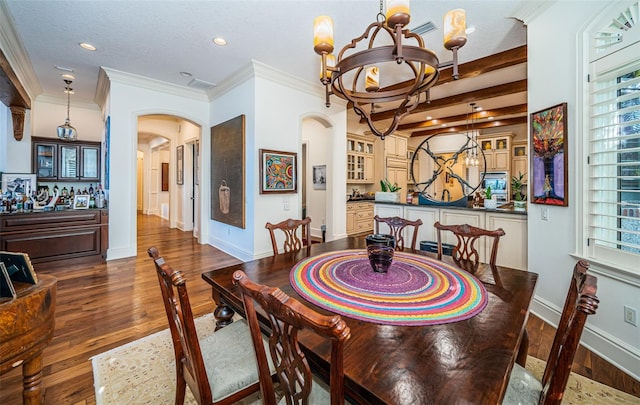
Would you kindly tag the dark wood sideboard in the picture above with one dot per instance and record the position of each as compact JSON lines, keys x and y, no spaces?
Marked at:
{"x":57,"y":237}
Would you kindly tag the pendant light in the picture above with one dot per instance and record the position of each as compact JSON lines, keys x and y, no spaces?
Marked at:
{"x":66,"y":131}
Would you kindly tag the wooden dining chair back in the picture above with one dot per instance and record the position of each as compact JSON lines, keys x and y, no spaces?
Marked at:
{"x":286,"y":318}
{"x":464,"y":253}
{"x":581,"y":302}
{"x":396,"y":227}
{"x":297,"y":234}
{"x":226,"y":367}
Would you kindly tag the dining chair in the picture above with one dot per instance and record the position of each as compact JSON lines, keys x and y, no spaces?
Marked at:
{"x":397,"y":226}
{"x":581,"y":302}
{"x":287,"y":317}
{"x":464,"y":253}
{"x":219,"y":369}
{"x":292,"y":241}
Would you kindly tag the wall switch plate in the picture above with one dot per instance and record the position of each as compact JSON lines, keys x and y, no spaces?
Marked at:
{"x":544,"y":214}
{"x":630,"y":316}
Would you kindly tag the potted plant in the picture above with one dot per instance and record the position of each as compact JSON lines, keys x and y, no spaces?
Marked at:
{"x":516,"y":186}
{"x":389,"y":192}
{"x":490,"y":201}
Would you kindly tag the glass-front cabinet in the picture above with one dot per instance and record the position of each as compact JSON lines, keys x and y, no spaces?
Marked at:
{"x":90,"y":168}
{"x":68,"y":163}
{"x":45,"y":161}
{"x":359,"y":160}
{"x":55,"y":160}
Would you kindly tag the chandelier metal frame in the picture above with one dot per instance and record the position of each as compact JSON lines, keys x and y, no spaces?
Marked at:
{"x":348,"y":78}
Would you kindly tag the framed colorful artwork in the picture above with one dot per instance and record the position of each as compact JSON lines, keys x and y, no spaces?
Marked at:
{"x":277,"y":172}
{"x":549,"y":166}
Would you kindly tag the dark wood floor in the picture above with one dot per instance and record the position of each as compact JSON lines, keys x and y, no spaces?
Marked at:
{"x":104,"y":306}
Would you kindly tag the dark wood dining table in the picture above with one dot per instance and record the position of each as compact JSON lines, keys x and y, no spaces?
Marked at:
{"x":465,"y":362}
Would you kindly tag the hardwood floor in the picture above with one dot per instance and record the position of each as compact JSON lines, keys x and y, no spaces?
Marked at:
{"x":104,"y":306}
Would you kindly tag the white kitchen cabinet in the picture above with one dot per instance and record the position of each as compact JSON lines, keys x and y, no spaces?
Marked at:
{"x":395,"y":145}
{"x":520,"y":159}
{"x":360,"y":162}
{"x":497,"y":152}
{"x":359,"y":217}
{"x":512,"y":250}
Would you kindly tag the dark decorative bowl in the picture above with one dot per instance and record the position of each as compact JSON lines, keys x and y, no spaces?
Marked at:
{"x":380,"y":249}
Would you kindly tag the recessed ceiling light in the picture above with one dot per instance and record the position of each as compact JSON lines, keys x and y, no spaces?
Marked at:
{"x":429,"y":117}
{"x":68,"y":76}
{"x":444,"y":125}
{"x":470,"y":30}
{"x":87,"y":46}
{"x":219,"y":41}
{"x":185,"y":74}
{"x":490,"y":118}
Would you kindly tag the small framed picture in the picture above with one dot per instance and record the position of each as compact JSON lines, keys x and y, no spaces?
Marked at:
{"x":320,"y":177}
{"x":81,"y":202}
{"x":180,"y":165}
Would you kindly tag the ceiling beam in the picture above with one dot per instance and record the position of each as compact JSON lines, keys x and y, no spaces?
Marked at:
{"x":463,"y":128}
{"x":477,"y":67}
{"x":487,"y":64}
{"x":462,"y":98}
{"x":12,"y":93}
{"x":485,"y":114}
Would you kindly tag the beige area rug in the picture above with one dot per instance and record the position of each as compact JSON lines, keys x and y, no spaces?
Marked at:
{"x":143,"y":372}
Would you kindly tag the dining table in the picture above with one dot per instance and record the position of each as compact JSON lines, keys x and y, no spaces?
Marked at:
{"x":452,"y":338}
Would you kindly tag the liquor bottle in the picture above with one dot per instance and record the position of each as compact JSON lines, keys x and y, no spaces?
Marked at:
{"x":100,"y":197}
{"x":91,"y":189}
{"x":72,"y":193}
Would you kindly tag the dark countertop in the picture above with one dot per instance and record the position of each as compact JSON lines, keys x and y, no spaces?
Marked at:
{"x":455,"y":207}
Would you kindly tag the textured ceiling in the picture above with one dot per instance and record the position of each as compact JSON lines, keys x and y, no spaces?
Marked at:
{"x":160,"y":39}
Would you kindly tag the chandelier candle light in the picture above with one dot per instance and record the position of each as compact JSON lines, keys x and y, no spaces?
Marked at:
{"x":383,"y":74}
{"x":66,"y":131}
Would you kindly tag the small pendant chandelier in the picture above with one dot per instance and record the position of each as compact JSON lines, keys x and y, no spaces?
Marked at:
{"x":66,"y":131}
{"x":473,"y":157}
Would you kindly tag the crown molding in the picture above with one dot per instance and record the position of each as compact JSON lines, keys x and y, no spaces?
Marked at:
{"x":260,"y":70}
{"x":14,"y":51}
{"x":530,"y":10}
{"x":63,"y":101}
{"x":113,"y":75}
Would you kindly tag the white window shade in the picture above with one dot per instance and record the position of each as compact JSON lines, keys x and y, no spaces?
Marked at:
{"x":614,"y":159}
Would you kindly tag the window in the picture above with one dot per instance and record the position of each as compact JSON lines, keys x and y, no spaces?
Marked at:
{"x":614,"y":159}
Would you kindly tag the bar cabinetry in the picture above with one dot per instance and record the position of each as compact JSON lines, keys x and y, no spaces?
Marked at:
{"x":55,"y":160}
{"x":57,"y":237}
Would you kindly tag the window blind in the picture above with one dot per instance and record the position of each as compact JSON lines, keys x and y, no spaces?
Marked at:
{"x":614,"y":158}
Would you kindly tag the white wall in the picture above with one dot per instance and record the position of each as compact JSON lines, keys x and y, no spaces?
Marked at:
{"x":275,"y":106}
{"x":318,"y":138}
{"x":555,"y":76}
{"x":129,"y":98}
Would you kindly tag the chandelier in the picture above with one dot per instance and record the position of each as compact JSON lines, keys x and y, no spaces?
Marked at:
{"x":406,"y":70}
{"x":473,"y":156}
{"x":66,"y":131}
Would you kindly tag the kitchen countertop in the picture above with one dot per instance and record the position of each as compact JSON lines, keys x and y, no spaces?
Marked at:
{"x":457,"y":207}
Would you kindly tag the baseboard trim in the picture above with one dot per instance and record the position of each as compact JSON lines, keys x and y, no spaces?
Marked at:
{"x":610,"y":348}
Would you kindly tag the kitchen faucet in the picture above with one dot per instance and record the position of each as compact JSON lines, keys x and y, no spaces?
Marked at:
{"x":445,"y":191}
